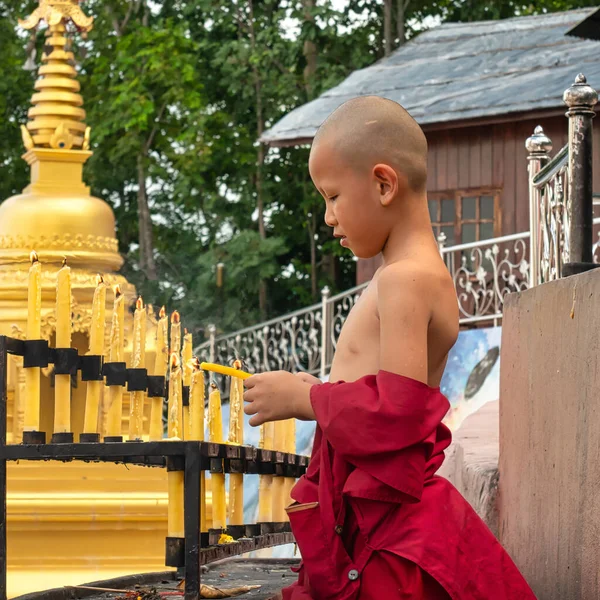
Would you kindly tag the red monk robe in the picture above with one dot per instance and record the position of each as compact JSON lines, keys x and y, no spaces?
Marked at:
{"x":370,"y":502}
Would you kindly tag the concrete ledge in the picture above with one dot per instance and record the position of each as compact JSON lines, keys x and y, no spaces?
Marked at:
{"x":472,"y":462}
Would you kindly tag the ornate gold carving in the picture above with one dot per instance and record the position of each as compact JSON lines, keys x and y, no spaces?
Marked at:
{"x":64,"y":241}
{"x":62,"y":138}
{"x":55,"y":11}
{"x":86,"y":138}
{"x":27,"y":139}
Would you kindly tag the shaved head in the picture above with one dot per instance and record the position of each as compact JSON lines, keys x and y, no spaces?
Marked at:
{"x":370,"y":130}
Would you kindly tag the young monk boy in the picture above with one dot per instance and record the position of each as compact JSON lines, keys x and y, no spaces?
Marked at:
{"x":371,"y":518}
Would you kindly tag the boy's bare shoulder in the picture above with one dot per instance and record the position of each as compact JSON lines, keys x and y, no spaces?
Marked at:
{"x":408,"y":277}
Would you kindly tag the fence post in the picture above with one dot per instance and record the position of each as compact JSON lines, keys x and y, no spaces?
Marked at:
{"x":325,"y":326}
{"x":539,"y":146}
{"x":580,"y":98}
{"x":212,"y":330}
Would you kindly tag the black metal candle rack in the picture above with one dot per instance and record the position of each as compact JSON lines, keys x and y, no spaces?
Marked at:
{"x":191,"y":457}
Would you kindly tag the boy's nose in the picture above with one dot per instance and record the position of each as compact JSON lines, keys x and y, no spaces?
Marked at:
{"x":330,"y":217}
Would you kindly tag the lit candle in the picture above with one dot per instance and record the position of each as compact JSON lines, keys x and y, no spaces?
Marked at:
{"x":34,"y":327}
{"x":174,"y":406}
{"x":62,"y":383}
{"x":217,"y":480}
{"x":197,"y":429}
{"x":117,"y":337}
{"x":161,"y":361}
{"x":175,"y":345}
{"x":92,"y":401}
{"x":186,"y":357}
{"x":197,"y":402}
{"x":236,"y":436}
{"x":175,"y":522}
{"x":236,"y":408}
{"x":265,"y":482}
{"x":138,"y":361}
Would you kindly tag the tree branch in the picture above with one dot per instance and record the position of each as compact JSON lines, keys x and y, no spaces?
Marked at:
{"x":150,"y":139}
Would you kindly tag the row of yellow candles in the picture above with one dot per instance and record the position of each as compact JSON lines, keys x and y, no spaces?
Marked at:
{"x":274,"y":491}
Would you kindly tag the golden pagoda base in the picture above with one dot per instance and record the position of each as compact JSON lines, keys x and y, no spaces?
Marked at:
{"x":71,"y":523}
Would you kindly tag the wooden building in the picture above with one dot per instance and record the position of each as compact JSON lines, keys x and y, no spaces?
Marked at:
{"x":478,"y":90}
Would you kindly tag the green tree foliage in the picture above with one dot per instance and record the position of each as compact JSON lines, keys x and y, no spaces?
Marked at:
{"x":177,"y":95}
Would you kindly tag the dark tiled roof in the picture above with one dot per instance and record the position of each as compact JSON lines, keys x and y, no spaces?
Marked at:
{"x":464,"y":71}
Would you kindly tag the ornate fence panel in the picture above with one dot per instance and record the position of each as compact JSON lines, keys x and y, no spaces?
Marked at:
{"x":485,"y":272}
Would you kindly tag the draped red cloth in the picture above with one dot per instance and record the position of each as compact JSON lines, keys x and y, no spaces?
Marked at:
{"x":372,"y":519}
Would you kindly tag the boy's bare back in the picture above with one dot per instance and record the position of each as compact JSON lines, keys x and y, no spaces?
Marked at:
{"x":358,"y":351}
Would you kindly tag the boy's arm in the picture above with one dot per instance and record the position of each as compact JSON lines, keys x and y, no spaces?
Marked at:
{"x":404,"y":305}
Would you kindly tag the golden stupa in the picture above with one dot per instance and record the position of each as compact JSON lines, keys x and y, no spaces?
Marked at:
{"x":75,"y":522}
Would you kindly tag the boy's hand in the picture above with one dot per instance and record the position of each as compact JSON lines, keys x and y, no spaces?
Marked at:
{"x":308,"y":378}
{"x":275,"y":396}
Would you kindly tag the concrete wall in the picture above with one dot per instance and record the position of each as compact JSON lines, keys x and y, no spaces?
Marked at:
{"x":549,"y":505}
{"x":472,"y":462}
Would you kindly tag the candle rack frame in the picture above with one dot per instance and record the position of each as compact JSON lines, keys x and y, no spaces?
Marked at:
{"x":192,"y":457}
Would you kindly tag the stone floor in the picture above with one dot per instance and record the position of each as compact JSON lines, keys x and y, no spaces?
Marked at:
{"x":271,"y":574}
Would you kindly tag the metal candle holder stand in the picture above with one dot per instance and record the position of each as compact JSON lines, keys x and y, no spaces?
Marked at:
{"x":191,"y":457}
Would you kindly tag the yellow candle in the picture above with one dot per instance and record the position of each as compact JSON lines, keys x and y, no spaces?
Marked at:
{"x":175,"y":392}
{"x":161,"y":361}
{"x":290,"y":444}
{"x":236,"y":408}
{"x":197,"y":402}
{"x":175,"y":510}
{"x":278,"y":495}
{"x":197,"y":429}
{"x":228,"y":371}
{"x":62,"y":383}
{"x":279,"y":431}
{"x":265,"y":482}
{"x":175,"y":333}
{"x":186,"y":357}
{"x":92,"y":401}
{"x":290,"y":436}
{"x":138,"y":361}
{"x":34,"y":326}
{"x":279,"y":486}
{"x":217,"y":480}
{"x":117,"y":337}
{"x":175,"y":522}
{"x":236,"y":436}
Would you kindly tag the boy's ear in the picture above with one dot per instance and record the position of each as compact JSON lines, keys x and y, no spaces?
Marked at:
{"x":389,"y":183}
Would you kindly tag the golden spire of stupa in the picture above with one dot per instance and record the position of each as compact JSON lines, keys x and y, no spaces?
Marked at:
{"x":57,"y":116}
{"x":56,"y":215}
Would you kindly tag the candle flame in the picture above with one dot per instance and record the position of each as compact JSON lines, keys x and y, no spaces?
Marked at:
{"x":213,"y":386}
{"x":64,"y":262}
{"x":174,"y":361}
{"x":237,"y":364}
{"x":33,"y":257}
{"x":175,"y":318}
{"x":117,"y":291}
{"x":139,"y":303}
{"x":185,"y":331}
{"x":99,"y":279}
{"x":196,"y":363}
{"x":162,"y":312}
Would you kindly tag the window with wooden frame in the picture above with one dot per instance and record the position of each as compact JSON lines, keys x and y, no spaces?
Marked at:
{"x":465,"y":215}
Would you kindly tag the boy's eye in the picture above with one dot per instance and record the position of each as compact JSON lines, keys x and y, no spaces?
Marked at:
{"x":333,"y":198}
